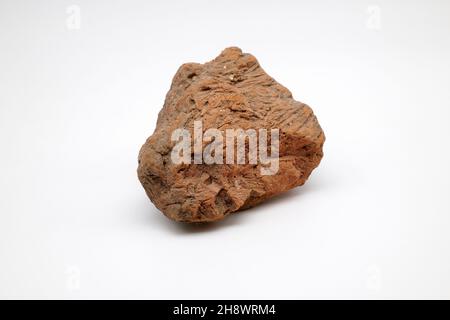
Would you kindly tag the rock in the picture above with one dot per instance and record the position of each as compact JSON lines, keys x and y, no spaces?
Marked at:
{"x":231,"y":93}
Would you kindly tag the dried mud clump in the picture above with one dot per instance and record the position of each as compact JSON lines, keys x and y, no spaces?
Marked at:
{"x":230,"y":92}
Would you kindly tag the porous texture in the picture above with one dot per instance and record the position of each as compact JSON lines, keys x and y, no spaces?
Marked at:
{"x":230,"y":92}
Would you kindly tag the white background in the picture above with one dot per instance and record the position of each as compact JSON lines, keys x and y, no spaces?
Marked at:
{"x":76,"y":104}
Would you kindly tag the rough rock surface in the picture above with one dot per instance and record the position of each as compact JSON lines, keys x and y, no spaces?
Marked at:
{"x":231,"y":91}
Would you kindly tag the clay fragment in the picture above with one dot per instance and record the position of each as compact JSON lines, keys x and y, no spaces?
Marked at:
{"x":231,"y":92}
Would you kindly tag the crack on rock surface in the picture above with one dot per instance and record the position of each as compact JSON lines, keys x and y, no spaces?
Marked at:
{"x":230,"y":92}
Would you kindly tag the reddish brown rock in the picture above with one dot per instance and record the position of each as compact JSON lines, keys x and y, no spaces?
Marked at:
{"x":230,"y":92}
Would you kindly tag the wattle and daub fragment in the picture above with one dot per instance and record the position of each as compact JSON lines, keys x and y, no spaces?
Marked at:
{"x":227,"y":138}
